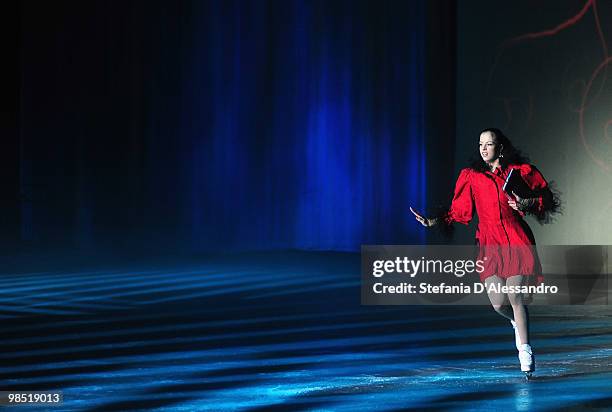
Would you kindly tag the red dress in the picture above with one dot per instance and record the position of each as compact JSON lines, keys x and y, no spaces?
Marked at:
{"x":502,"y":234}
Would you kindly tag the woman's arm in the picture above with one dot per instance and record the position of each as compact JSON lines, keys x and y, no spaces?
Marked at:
{"x":461,"y":209}
{"x":427,"y":222}
{"x":544,"y":203}
{"x":462,"y":205}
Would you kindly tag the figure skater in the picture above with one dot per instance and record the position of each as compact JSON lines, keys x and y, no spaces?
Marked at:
{"x":502,"y":232}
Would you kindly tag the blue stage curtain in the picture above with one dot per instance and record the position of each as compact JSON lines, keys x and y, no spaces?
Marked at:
{"x":224,"y":125}
{"x":303,"y":123}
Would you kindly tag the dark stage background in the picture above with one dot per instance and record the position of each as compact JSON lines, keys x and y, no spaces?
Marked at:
{"x":236,"y":125}
{"x":230,"y":125}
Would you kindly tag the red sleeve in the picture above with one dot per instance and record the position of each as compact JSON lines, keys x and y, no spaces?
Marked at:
{"x":537,"y":184}
{"x":462,"y":206}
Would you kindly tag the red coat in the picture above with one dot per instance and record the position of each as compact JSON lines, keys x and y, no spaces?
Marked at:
{"x":503,"y":235}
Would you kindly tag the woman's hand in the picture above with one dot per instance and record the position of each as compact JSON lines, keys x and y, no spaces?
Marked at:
{"x":513,"y":203}
{"x":520,"y":204}
{"x":423,"y":220}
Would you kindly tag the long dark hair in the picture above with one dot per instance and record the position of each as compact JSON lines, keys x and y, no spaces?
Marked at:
{"x":512,"y":155}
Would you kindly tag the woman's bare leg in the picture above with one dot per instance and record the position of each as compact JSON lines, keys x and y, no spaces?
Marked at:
{"x":521,"y":315}
{"x":498,"y":300}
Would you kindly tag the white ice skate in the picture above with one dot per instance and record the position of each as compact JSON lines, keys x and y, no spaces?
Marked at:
{"x":527,"y":360}
{"x":517,"y":338}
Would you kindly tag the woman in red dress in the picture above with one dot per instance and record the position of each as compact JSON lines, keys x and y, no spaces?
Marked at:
{"x":503,"y":235}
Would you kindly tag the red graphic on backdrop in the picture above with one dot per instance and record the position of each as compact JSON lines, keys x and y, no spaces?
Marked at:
{"x":587,"y":95}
